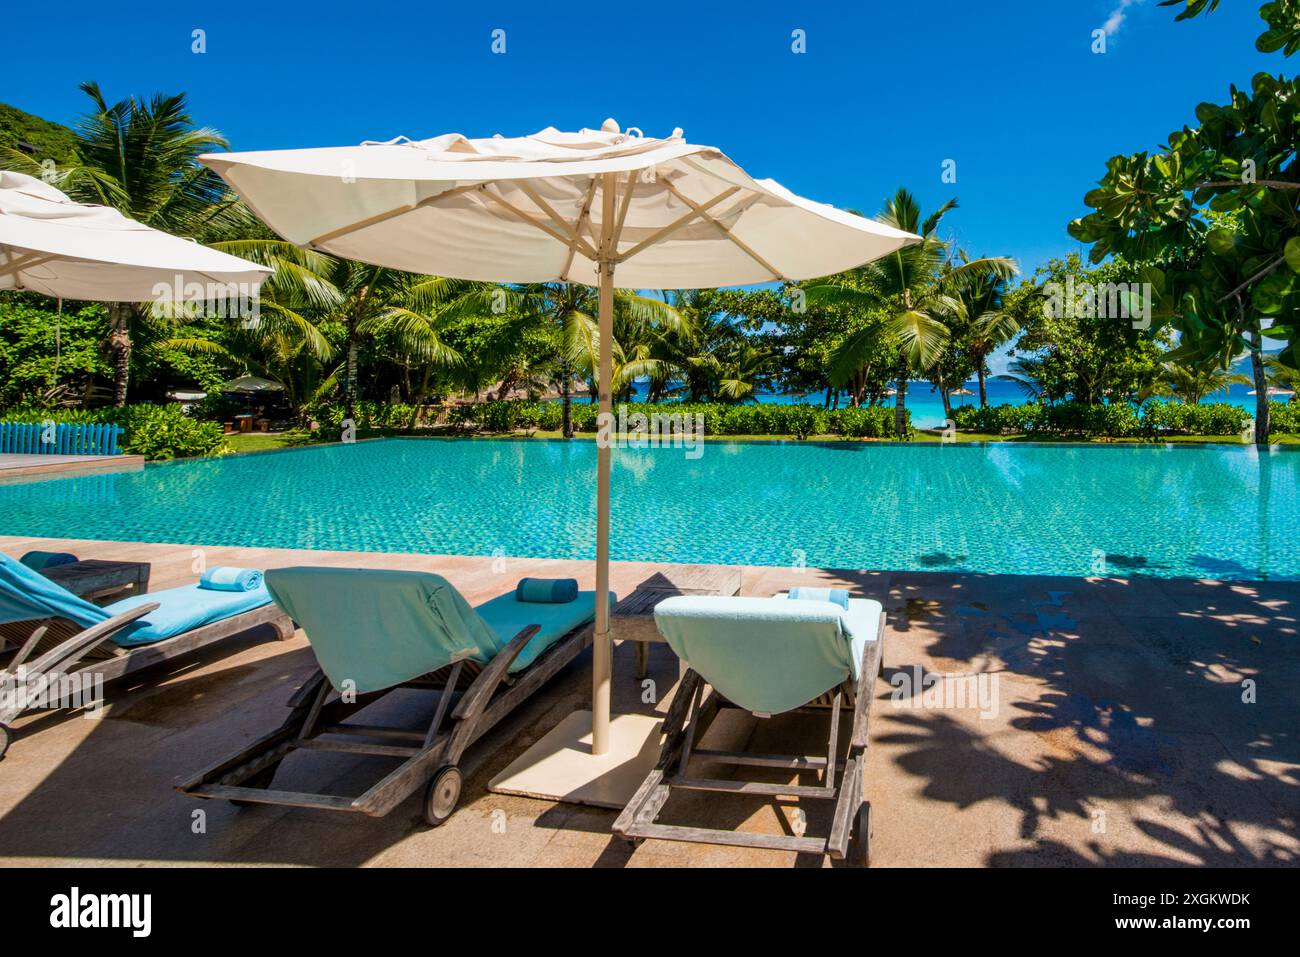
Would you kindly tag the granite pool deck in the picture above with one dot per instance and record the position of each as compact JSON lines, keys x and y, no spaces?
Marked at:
{"x":22,"y":467}
{"x":1136,"y":722}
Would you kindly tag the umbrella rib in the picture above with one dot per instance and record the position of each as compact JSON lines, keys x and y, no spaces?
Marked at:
{"x":623,"y":208}
{"x":744,"y":247}
{"x":389,"y":214}
{"x":577,"y":228}
{"x":546,"y":208}
{"x":683,"y":220}
{"x":534,"y":221}
{"x":19,"y":263}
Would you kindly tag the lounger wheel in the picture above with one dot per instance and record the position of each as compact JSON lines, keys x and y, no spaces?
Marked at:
{"x":862,"y":847}
{"x":5,"y":738}
{"x":442,"y":794}
{"x":262,"y":779}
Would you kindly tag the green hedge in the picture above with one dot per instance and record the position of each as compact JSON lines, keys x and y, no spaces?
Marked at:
{"x":157,"y":432}
{"x":800,"y":421}
{"x":371,"y":417}
{"x":1284,"y":416}
{"x":1117,"y":420}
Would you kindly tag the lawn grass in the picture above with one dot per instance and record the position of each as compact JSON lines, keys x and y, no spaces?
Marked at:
{"x":265,"y":441}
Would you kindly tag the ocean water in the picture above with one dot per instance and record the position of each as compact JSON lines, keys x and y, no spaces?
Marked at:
{"x":927,"y":405}
{"x":1205,"y":511}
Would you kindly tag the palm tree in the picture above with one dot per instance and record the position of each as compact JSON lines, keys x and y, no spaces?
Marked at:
{"x":904,"y":290}
{"x":1191,"y":385}
{"x":570,"y":309}
{"x":308,"y":290}
{"x":1282,"y":376}
{"x":977,"y":319}
{"x":141,"y":159}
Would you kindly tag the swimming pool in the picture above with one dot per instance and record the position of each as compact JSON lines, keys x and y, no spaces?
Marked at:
{"x":1208,"y":512}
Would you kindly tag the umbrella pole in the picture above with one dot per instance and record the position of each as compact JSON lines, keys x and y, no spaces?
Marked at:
{"x":602,"y":645}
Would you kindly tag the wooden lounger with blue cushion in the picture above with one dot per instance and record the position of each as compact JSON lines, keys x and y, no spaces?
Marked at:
{"x":64,"y":637}
{"x":768,"y":656}
{"x":374,"y":631}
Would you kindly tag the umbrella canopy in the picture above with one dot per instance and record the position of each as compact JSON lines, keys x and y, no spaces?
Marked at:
{"x":557,"y":207}
{"x":532,"y":209}
{"x":961,"y":391}
{"x":67,"y":250}
{"x":250,"y":383}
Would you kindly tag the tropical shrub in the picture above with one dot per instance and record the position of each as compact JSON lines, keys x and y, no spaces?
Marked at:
{"x":1213,"y":418}
{"x":165,"y":432}
{"x":869,"y":422}
{"x":994,"y":419}
{"x":1115,"y":419}
{"x":1285,"y":416}
{"x":157,"y":432}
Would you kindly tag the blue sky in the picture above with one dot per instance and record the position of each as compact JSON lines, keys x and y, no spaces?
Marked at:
{"x":883,"y":95}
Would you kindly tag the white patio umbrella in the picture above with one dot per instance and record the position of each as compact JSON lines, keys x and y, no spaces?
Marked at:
{"x":67,"y":250}
{"x":557,"y":207}
{"x":251,"y":384}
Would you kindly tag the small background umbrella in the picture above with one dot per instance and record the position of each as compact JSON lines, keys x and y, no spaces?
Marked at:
{"x":250,"y":384}
{"x":67,"y":250}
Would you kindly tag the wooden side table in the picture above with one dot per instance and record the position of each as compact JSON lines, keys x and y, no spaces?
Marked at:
{"x":633,"y":618}
{"x":93,"y":577}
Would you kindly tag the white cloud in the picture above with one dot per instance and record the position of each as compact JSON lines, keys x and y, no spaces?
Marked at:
{"x":1118,"y":16}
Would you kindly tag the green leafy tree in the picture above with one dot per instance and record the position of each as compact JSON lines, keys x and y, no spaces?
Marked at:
{"x":1076,"y":349}
{"x":1282,"y":17}
{"x":1216,"y":215}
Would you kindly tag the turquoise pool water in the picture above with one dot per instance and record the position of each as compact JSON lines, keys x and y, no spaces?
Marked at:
{"x":1214,"y":512}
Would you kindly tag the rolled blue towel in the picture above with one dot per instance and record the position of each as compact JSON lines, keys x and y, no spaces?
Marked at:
{"x":228,"y":578}
{"x":551,"y":590}
{"x":837,"y":595}
{"x":38,"y":560}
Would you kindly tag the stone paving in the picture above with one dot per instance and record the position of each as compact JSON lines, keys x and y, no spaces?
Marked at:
{"x":1125,"y":722}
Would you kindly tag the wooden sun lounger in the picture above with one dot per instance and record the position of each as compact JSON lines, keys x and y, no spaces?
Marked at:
{"x":59,"y":647}
{"x":472,"y":699}
{"x":688,"y":719}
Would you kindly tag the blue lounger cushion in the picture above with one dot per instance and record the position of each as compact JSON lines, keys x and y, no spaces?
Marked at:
{"x":27,"y":595}
{"x":507,"y":616}
{"x":183,"y":609}
{"x":769,"y":654}
{"x":378,"y":628}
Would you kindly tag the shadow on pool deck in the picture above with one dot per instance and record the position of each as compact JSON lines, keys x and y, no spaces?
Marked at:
{"x":1122,"y":736}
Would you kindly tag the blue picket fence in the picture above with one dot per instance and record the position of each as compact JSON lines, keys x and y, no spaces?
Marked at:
{"x":69,"y":438}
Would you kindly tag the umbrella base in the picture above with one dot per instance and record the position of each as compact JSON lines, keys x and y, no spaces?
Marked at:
{"x":561,"y":767}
